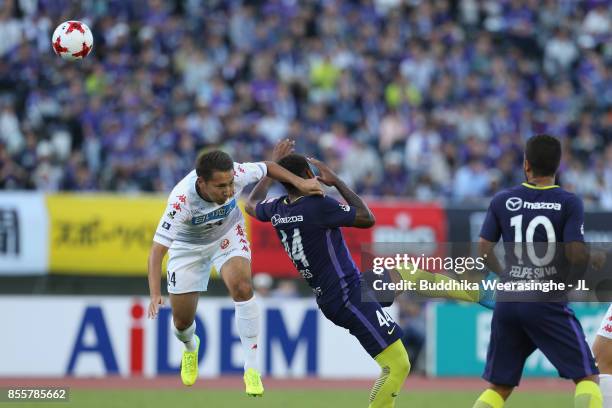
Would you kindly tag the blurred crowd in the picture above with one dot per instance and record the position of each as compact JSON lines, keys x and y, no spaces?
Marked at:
{"x":431,"y":100}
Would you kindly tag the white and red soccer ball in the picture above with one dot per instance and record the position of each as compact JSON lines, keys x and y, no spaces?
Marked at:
{"x":72,"y":40}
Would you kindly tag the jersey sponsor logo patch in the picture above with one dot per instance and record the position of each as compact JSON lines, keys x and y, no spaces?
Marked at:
{"x":219,"y":213}
{"x":514,"y":203}
{"x":171,"y":214}
{"x":542,"y":206}
{"x":166,"y":226}
{"x":345,"y":207}
{"x":277,"y":219}
{"x":225,"y":243}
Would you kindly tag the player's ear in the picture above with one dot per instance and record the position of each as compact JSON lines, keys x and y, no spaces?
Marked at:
{"x":526,"y":165}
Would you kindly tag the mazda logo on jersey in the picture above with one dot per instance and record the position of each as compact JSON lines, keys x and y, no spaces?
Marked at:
{"x":514,"y":203}
{"x":277,"y":219}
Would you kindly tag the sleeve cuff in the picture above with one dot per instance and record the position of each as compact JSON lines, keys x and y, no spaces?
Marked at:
{"x":264,"y":169}
{"x":160,"y":239}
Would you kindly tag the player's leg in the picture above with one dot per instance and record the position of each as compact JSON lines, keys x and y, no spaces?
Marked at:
{"x":413,"y":274}
{"x":184,"y":307}
{"x":380,"y":336}
{"x":554,"y":329}
{"x":509,"y":347}
{"x":493,"y":397}
{"x":233,"y":261}
{"x":395,"y":366}
{"x":188,"y":274}
{"x":588,"y":394}
{"x":236,"y":273}
{"x":602,"y":348}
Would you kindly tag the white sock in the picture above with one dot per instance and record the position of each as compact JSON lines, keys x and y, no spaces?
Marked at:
{"x":186,"y":336}
{"x":247,"y":320}
{"x":605,"y":384}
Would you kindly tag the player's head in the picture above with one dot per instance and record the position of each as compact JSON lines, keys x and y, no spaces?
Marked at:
{"x":542,"y":156}
{"x":298,"y":165}
{"x":215,"y":170}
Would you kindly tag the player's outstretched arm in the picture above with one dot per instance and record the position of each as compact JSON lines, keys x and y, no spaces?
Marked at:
{"x":363,"y":217}
{"x":258,"y":194}
{"x":156,"y":255}
{"x":305,"y":186}
{"x":260,"y":191}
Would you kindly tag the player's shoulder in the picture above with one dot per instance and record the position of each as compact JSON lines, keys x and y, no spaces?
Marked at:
{"x":567,"y":198}
{"x":318,"y":200}
{"x":507,"y":197}
{"x":324,"y":204}
{"x":272,"y":201}
{"x":184,"y":186}
{"x":242,"y":168}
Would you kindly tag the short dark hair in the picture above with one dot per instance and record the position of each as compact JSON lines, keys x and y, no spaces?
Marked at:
{"x":296,"y":164}
{"x":543,"y":152}
{"x":209,"y":162}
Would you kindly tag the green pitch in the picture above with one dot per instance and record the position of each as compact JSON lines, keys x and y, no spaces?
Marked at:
{"x":287,"y":398}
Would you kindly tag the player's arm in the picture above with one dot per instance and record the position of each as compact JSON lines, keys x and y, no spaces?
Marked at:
{"x":364,"y":218}
{"x":576,"y":251}
{"x":176,"y":212}
{"x":260,"y":192}
{"x":156,"y":255}
{"x":489,"y":235}
{"x":486,"y":251}
{"x":305,"y":186}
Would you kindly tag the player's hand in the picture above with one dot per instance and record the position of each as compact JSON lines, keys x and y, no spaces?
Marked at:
{"x":282,"y":149}
{"x":310,"y":187}
{"x":327,"y":177}
{"x":156,"y":302}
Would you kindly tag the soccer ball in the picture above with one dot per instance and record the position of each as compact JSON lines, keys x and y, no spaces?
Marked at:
{"x":72,"y":40}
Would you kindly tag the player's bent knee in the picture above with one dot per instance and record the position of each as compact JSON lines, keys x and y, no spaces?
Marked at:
{"x":503,"y":390}
{"x":402,"y":365}
{"x":242,"y":290}
{"x":396,"y":358}
{"x":182,"y":324}
{"x":603,"y":354}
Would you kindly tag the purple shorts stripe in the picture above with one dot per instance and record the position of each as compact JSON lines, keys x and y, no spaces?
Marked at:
{"x":334,"y":259}
{"x":382,"y":343}
{"x":351,"y":307}
{"x":581,"y":342}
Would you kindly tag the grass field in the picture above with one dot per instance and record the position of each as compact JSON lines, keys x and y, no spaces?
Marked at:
{"x":288,"y":398}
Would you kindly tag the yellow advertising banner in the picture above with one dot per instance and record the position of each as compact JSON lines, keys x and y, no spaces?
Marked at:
{"x":102,"y":234}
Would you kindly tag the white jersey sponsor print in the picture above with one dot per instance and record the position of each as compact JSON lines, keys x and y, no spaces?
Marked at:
{"x":190,"y":220}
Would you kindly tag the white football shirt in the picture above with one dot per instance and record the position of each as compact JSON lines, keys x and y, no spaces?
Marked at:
{"x":191,"y":220}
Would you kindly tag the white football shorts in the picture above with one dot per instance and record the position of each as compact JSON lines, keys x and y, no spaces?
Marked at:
{"x":189,"y":267}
